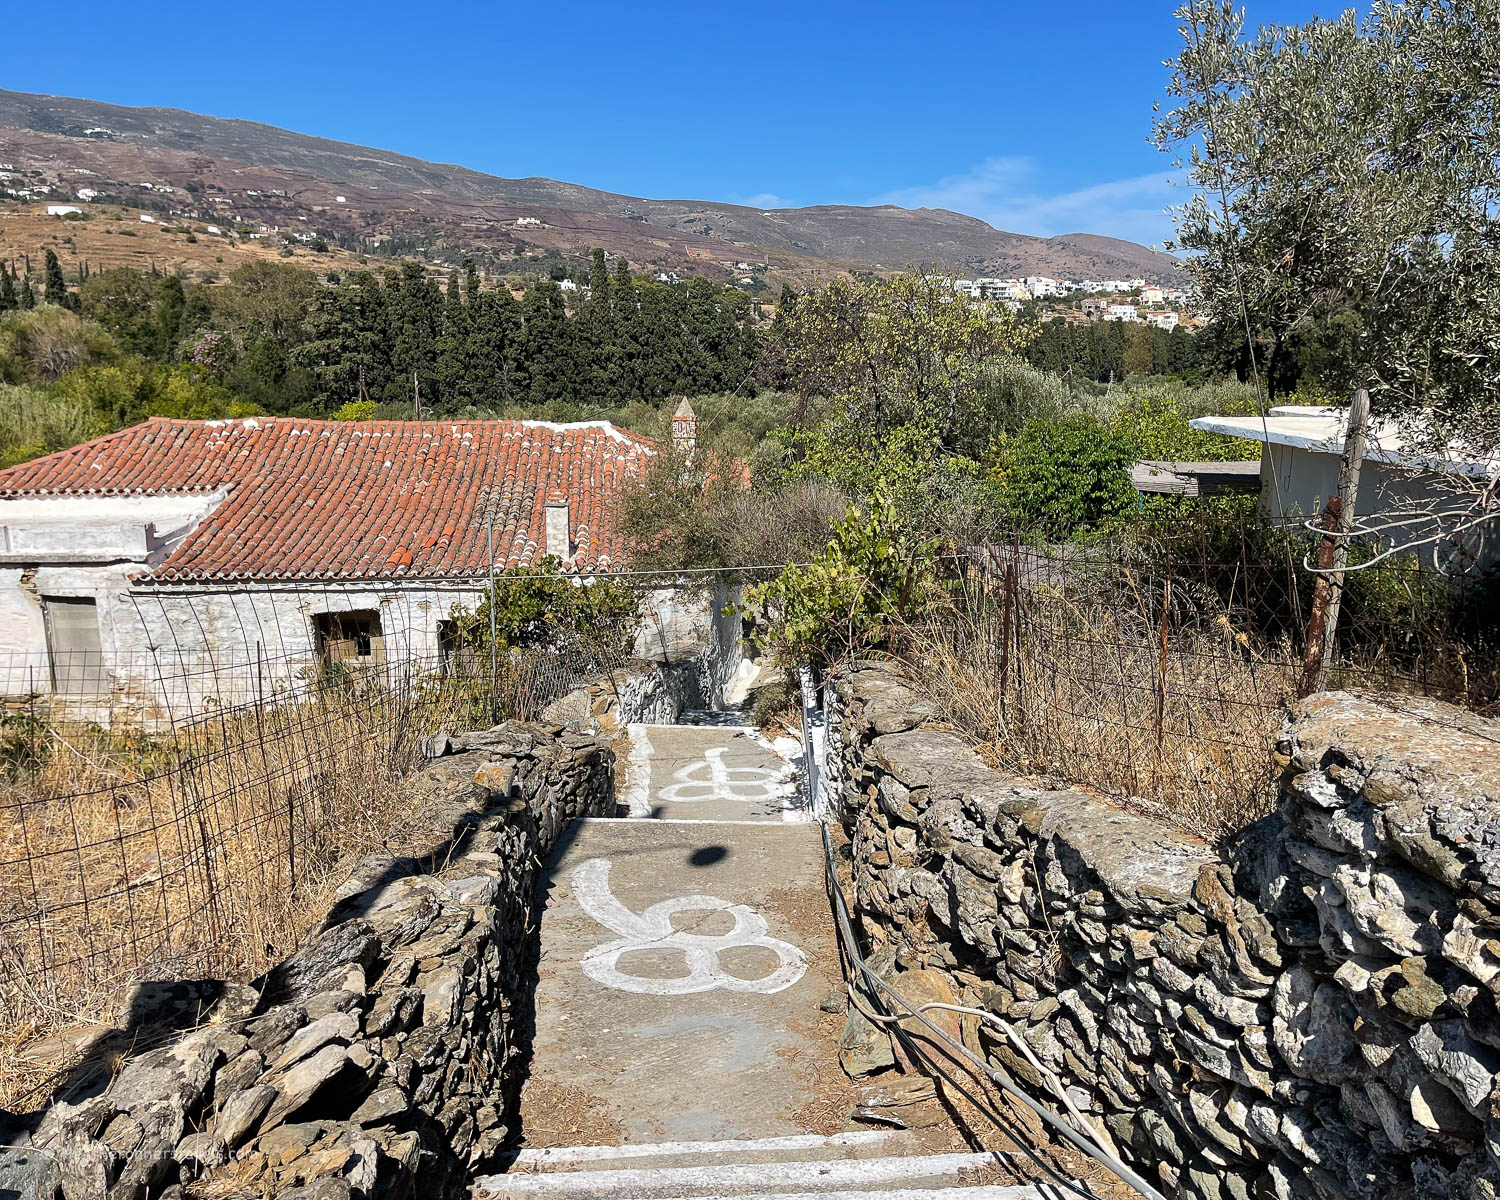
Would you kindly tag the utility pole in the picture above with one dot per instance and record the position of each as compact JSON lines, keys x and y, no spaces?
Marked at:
{"x":416,"y":395}
{"x":1333,"y":555}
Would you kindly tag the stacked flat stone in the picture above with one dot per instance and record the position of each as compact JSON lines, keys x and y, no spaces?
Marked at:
{"x":1310,"y":1012}
{"x":383,"y":1057}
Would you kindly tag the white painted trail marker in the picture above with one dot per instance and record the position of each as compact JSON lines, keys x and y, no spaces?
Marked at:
{"x":652,"y":930}
{"x":710,"y":779}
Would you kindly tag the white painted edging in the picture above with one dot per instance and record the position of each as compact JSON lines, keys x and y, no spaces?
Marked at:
{"x":733,"y":1179}
{"x":638,"y":771}
{"x":1029,"y":1191}
{"x":548,"y":1155}
{"x":670,"y":821}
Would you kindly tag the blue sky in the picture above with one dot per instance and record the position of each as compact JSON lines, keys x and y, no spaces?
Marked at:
{"x":1032,"y":116}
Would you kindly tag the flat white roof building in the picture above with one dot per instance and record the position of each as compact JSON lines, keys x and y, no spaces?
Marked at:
{"x":1302,"y":449}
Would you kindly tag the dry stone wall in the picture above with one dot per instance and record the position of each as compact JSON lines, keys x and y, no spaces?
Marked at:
{"x":383,"y":1058}
{"x":1311,"y":1012}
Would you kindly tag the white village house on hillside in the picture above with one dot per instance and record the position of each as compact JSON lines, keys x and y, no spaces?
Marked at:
{"x":1299,"y":473}
{"x":182,"y":560}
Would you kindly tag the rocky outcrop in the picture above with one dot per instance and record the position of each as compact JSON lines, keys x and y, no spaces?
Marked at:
{"x":1310,"y":1012}
{"x":383,"y":1056}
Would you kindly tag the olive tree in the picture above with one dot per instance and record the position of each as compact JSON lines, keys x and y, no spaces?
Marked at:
{"x":1347,"y":169}
{"x":897,"y":353}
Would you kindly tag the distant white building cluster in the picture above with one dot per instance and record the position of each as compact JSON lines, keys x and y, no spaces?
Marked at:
{"x":1133,"y":301}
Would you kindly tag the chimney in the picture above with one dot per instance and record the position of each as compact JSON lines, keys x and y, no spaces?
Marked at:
{"x":559,"y":528}
{"x":685,"y":429}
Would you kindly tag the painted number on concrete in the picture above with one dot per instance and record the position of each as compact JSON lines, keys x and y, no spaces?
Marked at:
{"x":652,"y":930}
{"x":710,"y":779}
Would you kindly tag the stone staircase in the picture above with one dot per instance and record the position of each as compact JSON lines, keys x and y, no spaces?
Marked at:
{"x":644,"y":1045}
{"x":888,"y":1165}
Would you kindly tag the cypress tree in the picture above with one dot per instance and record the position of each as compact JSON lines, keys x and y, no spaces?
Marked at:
{"x":28,"y":297}
{"x":346,"y":342}
{"x":8,"y":299}
{"x":477,"y":386}
{"x":54,"y":287}
{"x":502,"y":347}
{"x":547,"y":342}
{"x":625,"y":361}
{"x":414,"y":307}
{"x":452,"y":349}
{"x":599,"y":283}
{"x":169,"y":312}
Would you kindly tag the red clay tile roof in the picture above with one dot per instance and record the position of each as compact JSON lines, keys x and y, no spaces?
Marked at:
{"x":322,"y":500}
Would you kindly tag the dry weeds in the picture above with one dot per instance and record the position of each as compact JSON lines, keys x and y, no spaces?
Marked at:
{"x":115,"y":236}
{"x":1157,"y":701}
{"x":558,"y":1114}
{"x":207,"y":853}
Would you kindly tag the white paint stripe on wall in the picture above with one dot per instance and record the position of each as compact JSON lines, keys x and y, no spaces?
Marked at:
{"x":1017,"y":1192}
{"x":638,"y":770}
{"x":669,"y":821}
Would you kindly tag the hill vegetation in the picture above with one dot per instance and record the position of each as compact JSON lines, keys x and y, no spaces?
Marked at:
{"x":378,"y":201}
{"x":123,"y":345}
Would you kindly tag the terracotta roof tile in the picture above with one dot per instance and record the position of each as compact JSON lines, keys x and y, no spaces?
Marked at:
{"x":359,"y":499}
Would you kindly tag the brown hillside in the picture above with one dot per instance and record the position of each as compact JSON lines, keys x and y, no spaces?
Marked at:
{"x":397,"y":204}
{"x":116,"y":237}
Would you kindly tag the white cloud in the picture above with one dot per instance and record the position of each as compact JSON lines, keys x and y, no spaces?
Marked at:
{"x":1005,"y":193}
{"x":758,"y":200}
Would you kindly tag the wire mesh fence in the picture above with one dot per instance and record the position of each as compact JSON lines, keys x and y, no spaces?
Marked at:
{"x":179,"y":813}
{"x":1158,"y":668}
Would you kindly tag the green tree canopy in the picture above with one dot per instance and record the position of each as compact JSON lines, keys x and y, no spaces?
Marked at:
{"x":900,"y":352}
{"x":1348,"y":172}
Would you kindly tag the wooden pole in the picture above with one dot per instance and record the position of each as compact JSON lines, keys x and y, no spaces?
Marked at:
{"x":1338,"y":520}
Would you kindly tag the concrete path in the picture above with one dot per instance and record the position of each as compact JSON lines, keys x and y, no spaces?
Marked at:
{"x":682,"y":966}
{"x":680,"y":1046}
{"x":709,"y":773}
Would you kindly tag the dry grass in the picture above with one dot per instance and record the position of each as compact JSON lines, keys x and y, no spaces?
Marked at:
{"x":1141,"y":694}
{"x":207,"y":853}
{"x":116,"y":237}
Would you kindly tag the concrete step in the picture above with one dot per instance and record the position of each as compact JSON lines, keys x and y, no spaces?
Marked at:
{"x":803,"y":1147}
{"x":917,"y":1174}
{"x":979,"y":1192}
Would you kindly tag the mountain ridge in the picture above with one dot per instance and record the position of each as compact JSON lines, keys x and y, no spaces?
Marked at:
{"x":447,"y":210}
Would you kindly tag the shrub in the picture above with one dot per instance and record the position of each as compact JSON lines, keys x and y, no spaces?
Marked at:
{"x":1155,"y":419}
{"x":1065,"y":477}
{"x":775,"y":703}
{"x":34,"y":422}
{"x":1015,"y":393}
{"x":540,"y":607}
{"x":927,"y":492}
{"x":356,"y":410}
{"x":39,"y":345}
{"x":870,"y":577}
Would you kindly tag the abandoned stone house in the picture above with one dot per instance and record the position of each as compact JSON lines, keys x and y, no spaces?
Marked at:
{"x":193,"y":562}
